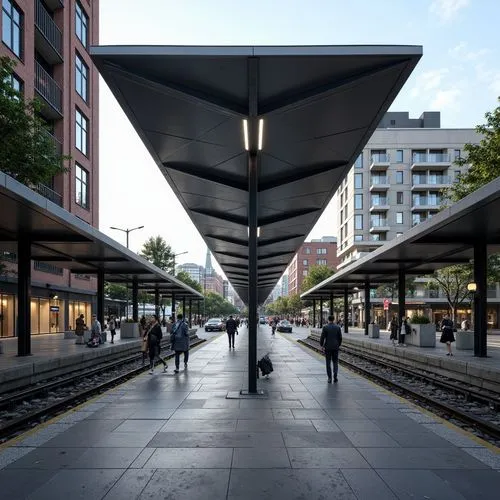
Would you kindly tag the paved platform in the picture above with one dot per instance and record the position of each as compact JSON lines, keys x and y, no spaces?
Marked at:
{"x":179,"y":437}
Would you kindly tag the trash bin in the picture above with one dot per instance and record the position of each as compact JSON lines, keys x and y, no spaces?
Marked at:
{"x":373,"y":331}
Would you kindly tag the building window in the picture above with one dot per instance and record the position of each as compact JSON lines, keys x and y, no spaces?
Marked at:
{"x":358,"y":222}
{"x":399,"y":156}
{"x":81,"y":132}
{"x":12,"y":27}
{"x":358,"y":237}
{"x":81,"y":82}
{"x":358,"y":201}
{"x":81,"y":187}
{"x":321,"y":262}
{"x":398,"y":235}
{"x":456,"y":154}
{"x":399,"y":177}
{"x":81,"y":24}
{"x":307,"y":250}
{"x":358,"y":181}
{"x":359,"y":161}
{"x":321,"y":251}
{"x":16,"y":83}
{"x":305,"y":262}
{"x":399,"y":198}
{"x":304,"y":272}
{"x":399,"y":217}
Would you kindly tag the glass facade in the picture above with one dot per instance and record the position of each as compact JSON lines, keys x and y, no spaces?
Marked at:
{"x":75,"y":308}
{"x":47,"y":315}
{"x":7,"y":315}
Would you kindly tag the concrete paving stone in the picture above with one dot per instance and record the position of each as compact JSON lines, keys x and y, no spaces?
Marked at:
{"x":273,"y":425}
{"x":91,"y":407}
{"x":192,"y":404}
{"x":219,"y":439}
{"x":106,"y":458}
{"x":81,"y":484}
{"x":371,"y":439}
{"x":288,"y":484}
{"x":265,"y":403}
{"x":422,"y":418}
{"x":140,"y":425}
{"x":310,"y":404}
{"x":254,"y":414}
{"x":345,"y":414}
{"x":221,"y":403}
{"x":379,"y":413}
{"x":398,"y":425}
{"x":10,"y":455}
{"x":416,"y":458}
{"x":316,"y":414}
{"x":367,"y":485}
{"x":419,"y":439}
{"x":191,"y":458}
{"x":151,"y":414}
{"x":454,"y":436}
{"x":125,"y":439}
{"x":16,"y":483}
{"x":473,"y":484}
{"x":41,"y":436}
{"x":199,"y":425}
{"x":325,"y":426}
{"x":112,"y":413}
{"x":201,"y":484}
{"x":486,"y":456}
{"x":361,"y":425}
{"x":294,"y":396}
{"x":314,"y":439}
{"x":48,"y":458}
{"x":130,"y":485}
{"x":422,"y":484}
{"x":337,"y":405}
{"x":281,"y":413}
{"x":73,"y":417}
{"x":207,"y":395}
{"x":260,"y":458}
{"x":374,"y":404}
{"x":142,"y":458}
{"x":319,"y":458}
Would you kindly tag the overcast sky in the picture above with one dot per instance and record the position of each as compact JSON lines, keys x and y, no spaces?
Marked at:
{"x":459,"y":75}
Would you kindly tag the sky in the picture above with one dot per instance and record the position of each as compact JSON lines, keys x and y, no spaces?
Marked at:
{"x":458,"y":75}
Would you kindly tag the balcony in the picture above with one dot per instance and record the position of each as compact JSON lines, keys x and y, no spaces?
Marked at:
{"x":54,"y":4}
{"x":379,"y":184}
{"x":48,"y":37}
{"x":381,"y":205}
{"x":431,"y":182}
{"x":380,"y":161}
{"x":50,"y":92}
{"x":57,"y":143}
{"x":49,"y":193}
{"x":431,"y":161}
{"x":379,"y":226}
{"x":425,"y":204}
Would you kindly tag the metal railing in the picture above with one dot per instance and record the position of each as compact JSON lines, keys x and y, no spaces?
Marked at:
{"x":431,"y":180}
{"x":49,"y":193}
{"x":429,"y":202}
{"x":45,"y":267}
{"x":48,"y":27}
{"x":47,"y":87}
{"x":379,"y":202}
{"x":431,"y":158}
{"x":57,"y":142}
{"x":379,"y":180}
{"x":381,"y":158}
{"x":378,"y":223}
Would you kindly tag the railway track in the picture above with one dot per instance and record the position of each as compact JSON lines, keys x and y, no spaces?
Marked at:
{"x":481,"y":407}
{"x":13,"y":403}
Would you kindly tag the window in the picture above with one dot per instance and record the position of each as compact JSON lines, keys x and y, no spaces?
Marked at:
{"x":81,"y":132}
{"x":358,"y":222}
{"x":399,"y":177}
{"x":399,"y":217}
{"x":81,"y":24}
{"x":398,"y":235}
{"x":399,"y":156}
{"x":12,"y":27}
{"x":358,"y":181}
{"x":16,"y":83}
{"x":358,"y":237}
{"x":81,"y":82}
{"x":359,"y":161}
{"x":399,"y":198}
{"x":321,"y":262}
{"x":305,"y":262}
{"x":358,"y":201}
{"x":81,"y":187}
{"x":378,"y":237}
{"x":393,"y":122}
{"x":457,"y":175}
{"x":456,"y":154}
{"x":304,"y":272}
{"x":378,"y":220}
{"x":321,"y":251}
{"x":307,"y":250}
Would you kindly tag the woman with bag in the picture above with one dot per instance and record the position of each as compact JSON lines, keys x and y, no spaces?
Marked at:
{"x":393,"y":328}
{"x":447,"y":336}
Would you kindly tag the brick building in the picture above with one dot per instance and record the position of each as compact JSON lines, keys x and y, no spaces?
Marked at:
{"x":49,"y":42}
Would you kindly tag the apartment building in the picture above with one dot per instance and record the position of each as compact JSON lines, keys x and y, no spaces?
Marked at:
{"x":195,"y":271}
{"x":395,"y":184}
{"x":321,"y":251}
{"x":49,"y":42}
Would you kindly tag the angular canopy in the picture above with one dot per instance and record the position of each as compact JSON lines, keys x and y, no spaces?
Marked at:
{"x":319,"y":106}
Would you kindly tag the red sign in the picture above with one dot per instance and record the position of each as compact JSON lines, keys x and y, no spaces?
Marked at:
{"x":387,"y":303}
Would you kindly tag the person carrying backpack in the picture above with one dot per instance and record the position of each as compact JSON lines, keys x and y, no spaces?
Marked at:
{"x":180,"y":341}
{"x":154,"y":338}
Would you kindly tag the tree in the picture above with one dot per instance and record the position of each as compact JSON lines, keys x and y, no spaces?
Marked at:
{"x":28,"y":151}
{"x":117,"y":292}
{"x":483,"y":158}
{"x":159,"y":253}
{"x":390,"y":290}
{"x":216,"y":305}
{"x":186,"y":278}
{"x":316,"y":275}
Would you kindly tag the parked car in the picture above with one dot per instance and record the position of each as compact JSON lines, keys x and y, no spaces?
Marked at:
{"x":285,"y":326}
{"x":262,"y":320}
{"x":214,"y":325}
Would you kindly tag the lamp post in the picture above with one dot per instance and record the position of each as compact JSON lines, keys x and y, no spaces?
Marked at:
{"x":175,"y":255}
{"x":472,"y":289}
{"x":126,"y":231}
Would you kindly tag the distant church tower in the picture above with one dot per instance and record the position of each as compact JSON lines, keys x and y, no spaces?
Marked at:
{"x":209,"y":270}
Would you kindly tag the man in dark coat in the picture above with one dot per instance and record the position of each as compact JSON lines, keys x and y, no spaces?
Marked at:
{"x":330,"y":341}
{"x":231,"y":328}
{"x":180,"y":341}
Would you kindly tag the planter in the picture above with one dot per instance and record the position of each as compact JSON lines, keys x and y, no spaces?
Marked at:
{"x":373,"y":331}
{"x":422,"y":335}
{"x":464,"y":340}
{"x":130,"y":331}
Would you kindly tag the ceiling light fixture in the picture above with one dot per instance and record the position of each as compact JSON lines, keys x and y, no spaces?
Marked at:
{"x":258,"y":231}
{"x":261,"y":133}
{"x":245,"y":134}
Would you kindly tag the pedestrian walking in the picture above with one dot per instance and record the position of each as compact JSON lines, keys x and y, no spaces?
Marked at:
{"x":80,"y":328}
{"x":447,"y":336}
{"x":404,"y":330}
{"x":393,"y":328}
{"x":330,"y":341}
{"x":144,"y":348}
{"x":112,"y":328}
{"x":95,"y":330}
{"x":231,"y":330}
{"x":154,"y":338}
{"x":180,"y":341}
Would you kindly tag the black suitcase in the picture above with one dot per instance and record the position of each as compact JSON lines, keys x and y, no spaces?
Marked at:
{"x":265,"y":365}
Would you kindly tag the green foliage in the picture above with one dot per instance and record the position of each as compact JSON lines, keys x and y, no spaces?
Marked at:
{"x":117,"y":292}
{"x":390,"y":290}
{"x":159,"y":252}
{"x":185,"y":278}
{"x":285,"y":305}
{"x":316,"y":275}
{"x":419,"y":319}
{"x":28,"y":152}
{"x":216,"y":306}
{"x":483,"y":158}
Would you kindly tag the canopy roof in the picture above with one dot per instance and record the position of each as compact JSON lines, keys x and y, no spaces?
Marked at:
{"x":448,"y":238}
{"x":66,"y":241}
{"x":319,"y":106}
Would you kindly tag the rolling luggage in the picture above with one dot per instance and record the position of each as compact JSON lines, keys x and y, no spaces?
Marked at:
{"x":265,"y":365}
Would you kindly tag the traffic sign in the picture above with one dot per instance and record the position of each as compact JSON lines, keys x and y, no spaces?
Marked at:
{"x":387,"y":303}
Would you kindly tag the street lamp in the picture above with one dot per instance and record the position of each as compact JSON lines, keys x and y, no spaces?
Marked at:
{"x":175,"y":255}
{"x":126,"y":231}
{"x":472,"y":289}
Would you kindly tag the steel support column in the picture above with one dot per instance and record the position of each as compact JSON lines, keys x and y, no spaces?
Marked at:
{"x":314,"y":313}
{"x":401,"y":295}
{"x":331,"y":304}
{"x":199,"y":312}
{"x":100,"y":296}
{"x":480,"y":302}
{"x":190,"y":313}
{"x":173,"y":306}
{"x":184,"y":307}
{"x":157,"y":303}
{"x":135,"y":300}
{"x":23,"y":297}
{"x":368,"y":306}
{"x":321,"y":313}
{"x":346,"y":311}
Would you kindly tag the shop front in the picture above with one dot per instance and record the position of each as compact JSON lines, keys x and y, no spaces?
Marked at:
{"x":7,"y":315}
{"x":47,"y":315}
{"x":77,"y":307}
